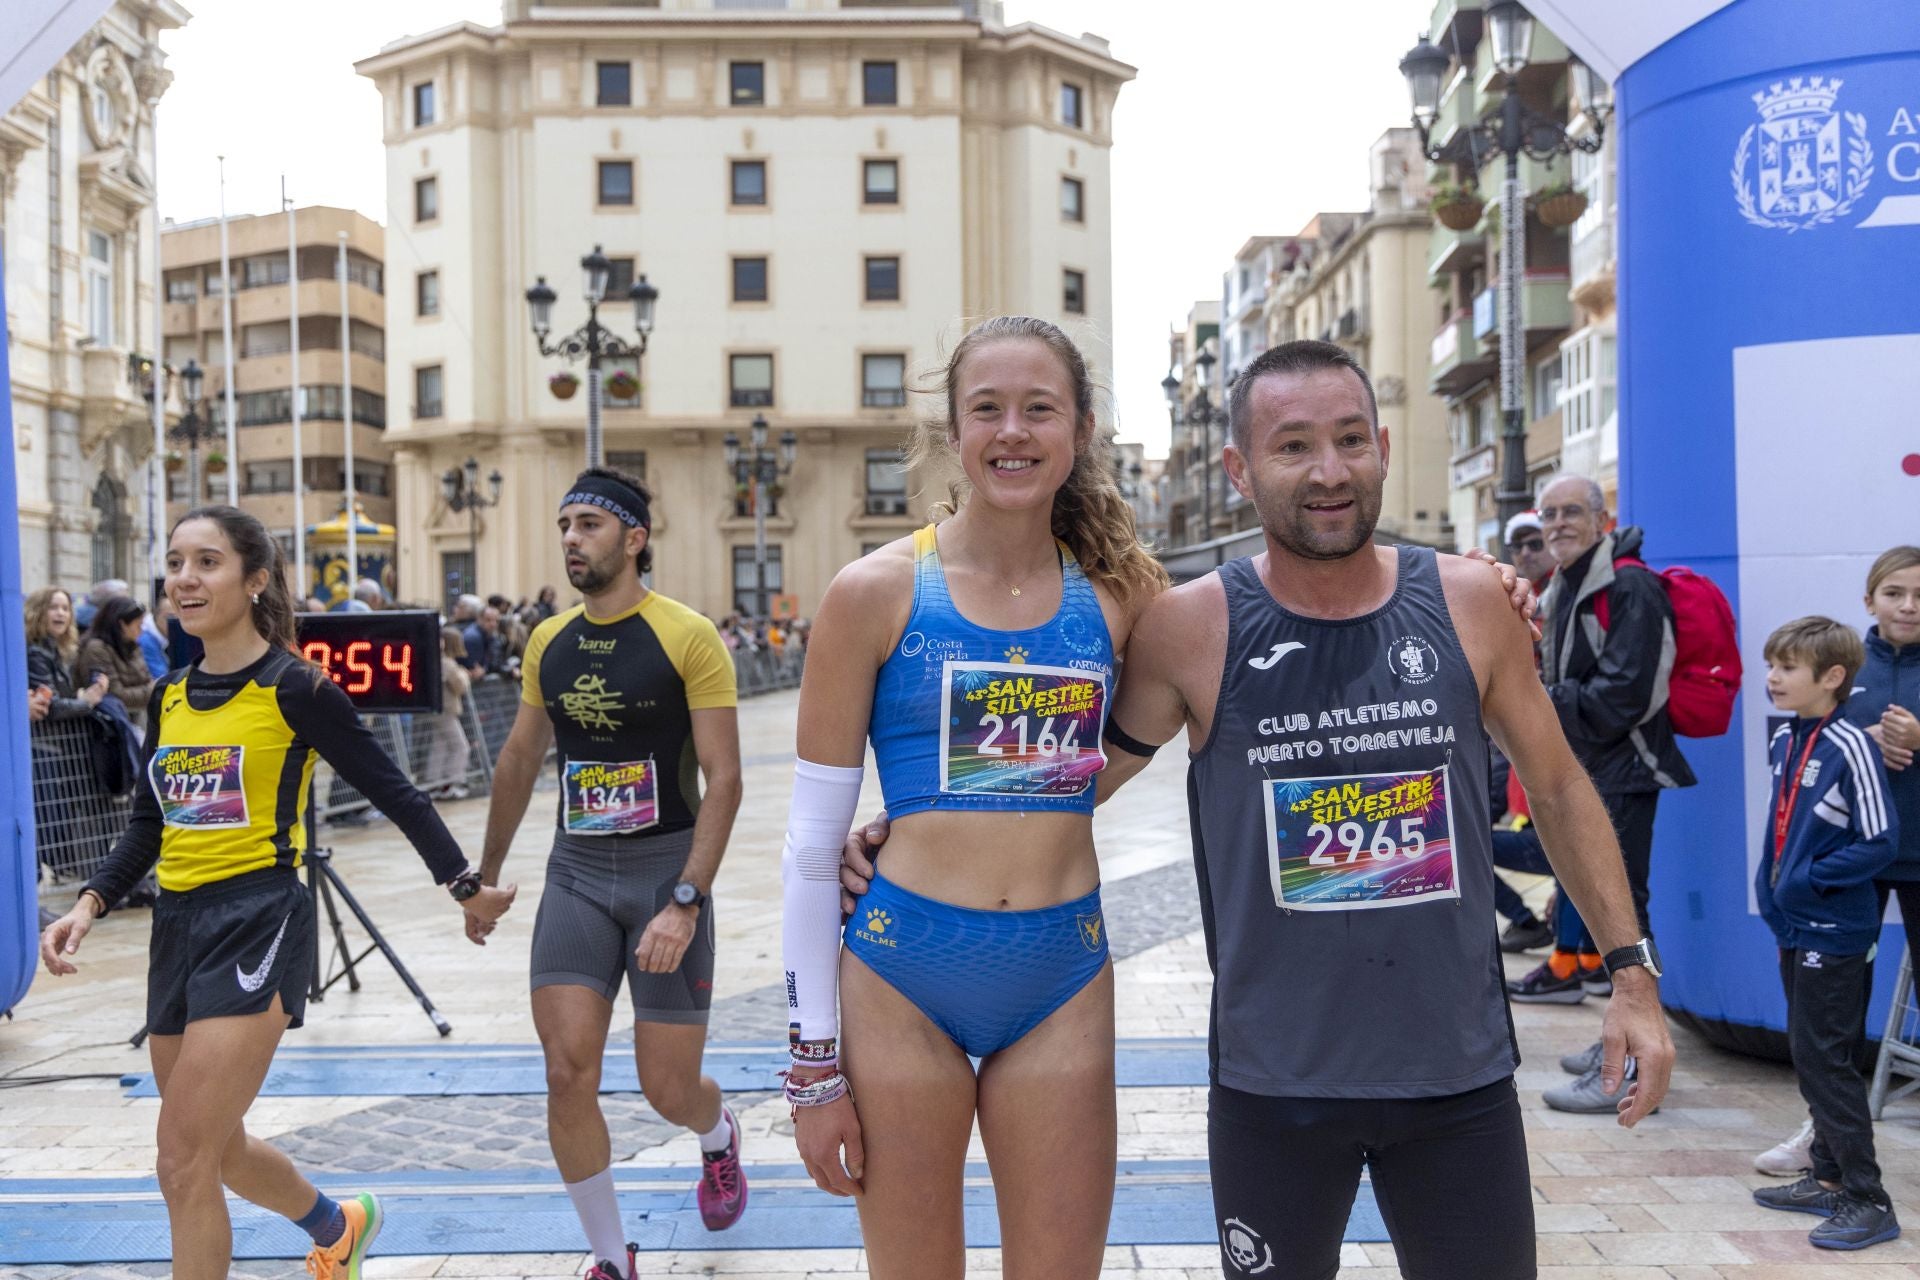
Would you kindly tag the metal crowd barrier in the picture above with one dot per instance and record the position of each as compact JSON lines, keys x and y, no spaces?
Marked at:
{"x":1899,"y":1043}
{"x":76,"y":824}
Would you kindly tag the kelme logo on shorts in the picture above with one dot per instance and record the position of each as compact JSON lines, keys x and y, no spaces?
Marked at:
{"x":878,"y":922}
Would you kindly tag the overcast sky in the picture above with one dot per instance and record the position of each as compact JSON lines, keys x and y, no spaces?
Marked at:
{"x":1247,"y":117}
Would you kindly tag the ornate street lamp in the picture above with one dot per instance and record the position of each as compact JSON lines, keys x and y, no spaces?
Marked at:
{"x":1515,"y":130}
{"x":757,"y":471}
{"x":192,"y":427}
{"x":1202,"y":414}
{"x":460,"y":486}
{"x":593,"y":340}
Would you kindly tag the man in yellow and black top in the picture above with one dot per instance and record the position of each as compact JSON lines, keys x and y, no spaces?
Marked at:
{"x":637,"y":693}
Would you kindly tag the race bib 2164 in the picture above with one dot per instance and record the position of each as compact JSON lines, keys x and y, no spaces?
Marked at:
{"x":199,"y":786}
{"x":1364,"y":840}
{"x":610,"y":799}
{"x":1009,"y":729}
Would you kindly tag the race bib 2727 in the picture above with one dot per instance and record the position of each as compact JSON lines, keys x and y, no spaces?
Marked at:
{"x":199,"y":786}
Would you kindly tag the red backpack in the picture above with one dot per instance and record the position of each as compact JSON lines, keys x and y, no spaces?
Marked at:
{"x":1706,"y":657}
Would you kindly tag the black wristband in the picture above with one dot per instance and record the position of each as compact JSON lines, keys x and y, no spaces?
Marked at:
{"x":1127,"y":742}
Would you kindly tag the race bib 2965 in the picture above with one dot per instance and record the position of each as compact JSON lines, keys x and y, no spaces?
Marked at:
{"x":1365,"y":840}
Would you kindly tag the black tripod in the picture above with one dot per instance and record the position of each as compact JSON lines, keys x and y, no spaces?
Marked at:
{"x":323,"y":882}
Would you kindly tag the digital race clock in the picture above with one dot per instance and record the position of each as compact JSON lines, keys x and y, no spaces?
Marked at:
{"x":388,"y":661}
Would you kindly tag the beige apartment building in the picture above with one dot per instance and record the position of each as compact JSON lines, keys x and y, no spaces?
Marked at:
{"x":79,"y":234}
{"x":823,"y":194}
{"x":1361,"y":281}
{"x":269,"y":292}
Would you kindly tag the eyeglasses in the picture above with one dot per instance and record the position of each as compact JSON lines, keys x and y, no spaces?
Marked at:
{"x":1528,"y":544}
{"x":1572,"y":511}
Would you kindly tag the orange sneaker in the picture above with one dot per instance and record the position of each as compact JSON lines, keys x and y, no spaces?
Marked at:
{"x":341,"y":1260}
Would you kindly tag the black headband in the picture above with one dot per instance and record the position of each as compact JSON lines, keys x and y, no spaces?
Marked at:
{"x":622,"y":501}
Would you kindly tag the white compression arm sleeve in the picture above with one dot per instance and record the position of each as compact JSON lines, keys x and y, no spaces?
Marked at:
{"x":824,"y":801}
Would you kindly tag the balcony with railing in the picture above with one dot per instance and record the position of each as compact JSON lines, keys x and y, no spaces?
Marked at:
{"x":1457,"y":358}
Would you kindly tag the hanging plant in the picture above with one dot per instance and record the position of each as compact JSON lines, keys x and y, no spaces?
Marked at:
{"x":1458,"y":208}
{"x":172,"y":461}
{"x":1558,"y":205}
{"x":216,"y":462}
{"x":622,"y":385}
{"x":776,"y":491}
{"x":563,"y":385}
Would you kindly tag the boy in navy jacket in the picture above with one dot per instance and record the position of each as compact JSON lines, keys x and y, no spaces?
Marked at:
{"x":1830,"y":829}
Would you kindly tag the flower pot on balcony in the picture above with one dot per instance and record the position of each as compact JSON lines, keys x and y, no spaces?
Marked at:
{"x":1458,"y":208}
{"x":216,"y":463}
{"x":173,"y":462}
{"x":563,"y":385}
{"x":1559,"y":207}
{"x":622,"y":385}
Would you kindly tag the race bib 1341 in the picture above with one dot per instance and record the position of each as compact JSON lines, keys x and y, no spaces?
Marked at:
{"x":198,"y":786}
{"x":610,"y":799}
{"x":1366,"y":840}
{"x":1009,"y":729}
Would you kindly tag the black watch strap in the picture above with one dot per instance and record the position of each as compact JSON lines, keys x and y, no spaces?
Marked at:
{"x":465,"y":885}
{"x":1639,"y":954}
{"x":687,"y":894}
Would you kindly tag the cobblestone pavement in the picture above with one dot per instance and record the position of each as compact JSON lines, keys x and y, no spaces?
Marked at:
{"x":1668,"y":1201}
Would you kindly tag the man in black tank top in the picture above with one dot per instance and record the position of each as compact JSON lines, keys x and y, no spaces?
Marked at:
{"x":1338,"y":696}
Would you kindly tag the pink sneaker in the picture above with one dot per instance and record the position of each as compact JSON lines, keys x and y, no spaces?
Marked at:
{"x":723,"y":1183}
{"x":606,"y":1269}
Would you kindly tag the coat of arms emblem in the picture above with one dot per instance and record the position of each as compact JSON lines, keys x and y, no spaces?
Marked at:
{"x":1812,"y":162}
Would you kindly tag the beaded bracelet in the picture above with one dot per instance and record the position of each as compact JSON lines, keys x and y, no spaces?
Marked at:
{"x":813,"y":1063}
{"x":816,"y":1093}
{"x":805,"y":1051}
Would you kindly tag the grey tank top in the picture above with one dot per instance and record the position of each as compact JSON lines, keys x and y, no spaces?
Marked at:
{"x":1341,"y":836}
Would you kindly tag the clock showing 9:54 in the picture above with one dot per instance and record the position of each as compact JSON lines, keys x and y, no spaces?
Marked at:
{"x":388,"y":661}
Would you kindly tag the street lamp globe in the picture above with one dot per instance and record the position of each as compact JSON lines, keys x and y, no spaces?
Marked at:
{"x":493,"y":487}
{"x":472,"y":469}
{"x":1594,"y":90}
{"x":595,"y":271}
{"x":191,"y":379}
{"x":789,"y":449}
{"x":540,"y":300}
{"x":1171,"y":386}
{"x":1425,"y":68}
{"x":730,"y":448}
{"x":643,"y":296}
{"x":1511,"y":29}
{"x":450,"y":485}
{"x":759,"y":432}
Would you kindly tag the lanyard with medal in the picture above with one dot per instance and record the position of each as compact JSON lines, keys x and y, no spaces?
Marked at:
{"x":1790,"y":790}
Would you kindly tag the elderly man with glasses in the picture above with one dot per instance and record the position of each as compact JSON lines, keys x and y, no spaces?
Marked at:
{"x":1606,"y":656}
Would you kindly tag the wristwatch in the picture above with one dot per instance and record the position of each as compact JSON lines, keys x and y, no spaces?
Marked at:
{"x":1640,"y":953}
{"x":687,"y":894}
{"x":464,"y":885}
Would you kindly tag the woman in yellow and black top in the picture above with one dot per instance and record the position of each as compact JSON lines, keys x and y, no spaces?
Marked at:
{"x":231,"y":744}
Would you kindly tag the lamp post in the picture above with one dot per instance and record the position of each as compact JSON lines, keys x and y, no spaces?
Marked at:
{"x":758,"y":471}
{"x":1515,"y":131}
{"x":593,"y":340}
{"x":461,"y":487}
{"x":1170,"y":386}
{"x":1203,"y":415}
{"x":192,"y":427}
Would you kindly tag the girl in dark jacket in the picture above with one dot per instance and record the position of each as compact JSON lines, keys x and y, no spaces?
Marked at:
{"x":1886,"y":703}
{"x":113,"y":646}
{"x":65,"y":842}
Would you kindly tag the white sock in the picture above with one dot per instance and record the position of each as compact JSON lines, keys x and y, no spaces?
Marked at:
{"x":722,"y":1135}
{"x":599,"y":1211}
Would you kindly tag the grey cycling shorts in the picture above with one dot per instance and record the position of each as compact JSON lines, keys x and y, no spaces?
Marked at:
{"x":600,"y":894}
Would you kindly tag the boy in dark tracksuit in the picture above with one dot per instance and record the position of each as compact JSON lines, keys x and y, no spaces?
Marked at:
{"x":1830,"y":829}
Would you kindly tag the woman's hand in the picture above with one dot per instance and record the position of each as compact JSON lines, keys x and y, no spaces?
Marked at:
{"x":856,"y":860}
{"x":63,"y":936}
{"x":821,"y":1133}
{"x":1897,"y":758}
{"x":1900,"y":728}
{"x":92,"y":694}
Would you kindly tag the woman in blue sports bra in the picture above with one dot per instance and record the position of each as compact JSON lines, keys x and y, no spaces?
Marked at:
{"x":978,"y":657}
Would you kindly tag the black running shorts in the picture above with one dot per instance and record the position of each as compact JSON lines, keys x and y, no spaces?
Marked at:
{"x":225,"y":949}
{"x":601,"y":893}
{"x":1450,"y":1176}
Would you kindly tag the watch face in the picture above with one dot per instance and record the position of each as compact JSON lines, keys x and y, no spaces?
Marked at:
{"x":1652,"y":955}
{"x":685,"y":894}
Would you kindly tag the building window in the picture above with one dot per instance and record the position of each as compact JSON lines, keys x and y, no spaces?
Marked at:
{"x":265,"y":408}
{"x":747,"y":595}
{"x":1073,"y":292}
{"x":619,"y":279}
{"x":257,"y":273}
{"x":423,"y":104}
{"x":882,"y":182}
{"x":182,"y":288}
{"x":100,"y":288}
{"x":631,"y":461}
{"x":426,"y":391}
{"x":267,"y":477}
{"x":375,"y":479}
{"x":750,"y":381}
{"x":749,"y":280}
{"x":886,"y":483}
{"x":1587,"y":381}
{"x":747,"y":84}
{"x":881,"y":83}
{"x":361,"y":270}
{"x":883,"y":381}
{"x":749,"y":182}
{"x":456,"y":576}
{"x":426,"y":199}
{"x":367,"y":340}
{"x":273,"y":338}
{"x":883,"y":279}
{"x":616,"y":182}
{"x":616,"y":84}
{"x":1073,"y":204}
{"x":426,"y":293}
{"x":1070,"y":104}
{"x":1546,"y":388}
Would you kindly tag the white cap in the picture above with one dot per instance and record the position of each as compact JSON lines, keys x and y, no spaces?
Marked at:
{"x":1525,"y":520}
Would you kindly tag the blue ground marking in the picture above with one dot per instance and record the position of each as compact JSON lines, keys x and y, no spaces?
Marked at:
{"x":460,"y":1070}
{"x":1155,"y":1202}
